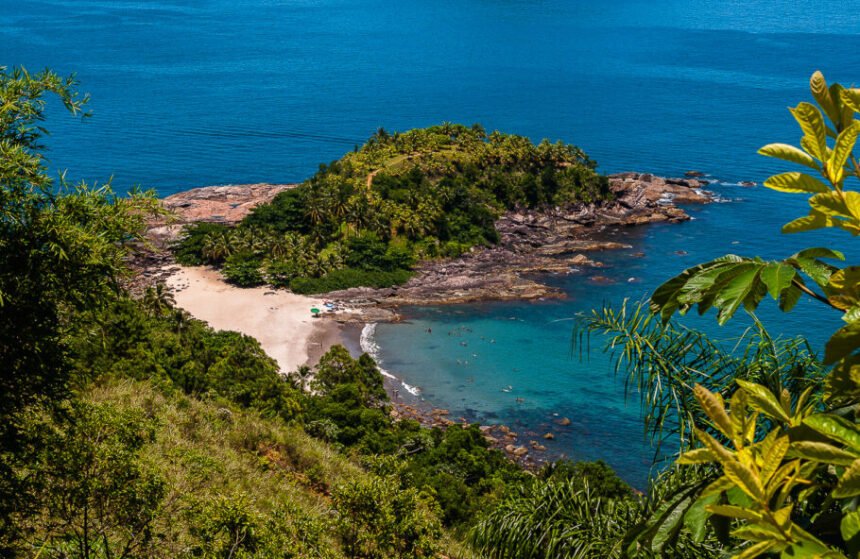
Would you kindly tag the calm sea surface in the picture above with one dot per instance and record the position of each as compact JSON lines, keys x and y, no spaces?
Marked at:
{"x":192,"y":93}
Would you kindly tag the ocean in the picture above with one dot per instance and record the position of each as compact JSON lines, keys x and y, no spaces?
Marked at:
{"x":200,"y":92}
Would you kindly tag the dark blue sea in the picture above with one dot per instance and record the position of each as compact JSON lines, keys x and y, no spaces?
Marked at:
{"x":199,"y":92}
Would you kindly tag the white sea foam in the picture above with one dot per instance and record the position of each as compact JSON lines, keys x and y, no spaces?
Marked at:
{"x":370,"y":347}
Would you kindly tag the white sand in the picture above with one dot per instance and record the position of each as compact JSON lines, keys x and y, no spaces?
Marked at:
{"x":281,"y":320}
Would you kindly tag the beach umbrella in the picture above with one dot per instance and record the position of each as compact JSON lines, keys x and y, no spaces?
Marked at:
{"x":315,"y":310}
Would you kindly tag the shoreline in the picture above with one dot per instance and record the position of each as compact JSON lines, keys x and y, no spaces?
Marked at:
{"x":281,"y":321}
{"x":534,"y":243}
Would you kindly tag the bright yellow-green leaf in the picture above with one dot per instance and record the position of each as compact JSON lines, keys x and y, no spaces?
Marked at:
{"x":850,"y":525}
{"x":851,"y":97}
{"x":756,"y":550}
{"x":815,"y":220}
{"x":782,"y":517}
{"x":841,"y":151}
{"x":830,"y":203}
{"x":796,"y":183}
{"x":810,"y":121}
{"x":697,"y":456}
{"x":849,"y":483}
{"x":821,"y":452}
{"x":716,"y":487}
{"x":821,"y":93}
{"x":734,"y":512}
{"x":721,"y":452}
{"x":836,"y":428}
{"x":763,"y":400}
{"x":759,"y":532}
{"x":789,"y":153}
{"x":745,"y":478}
{"x":714,"y":409}
{"x":773,"y":457}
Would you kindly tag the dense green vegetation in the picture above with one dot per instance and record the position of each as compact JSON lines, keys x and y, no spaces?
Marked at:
{"x":128,"y":429}
{"x":365,"y":219}
{"x":769,"y":457}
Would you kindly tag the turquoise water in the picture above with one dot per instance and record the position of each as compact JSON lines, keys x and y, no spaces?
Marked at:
{"x":191,"y":93}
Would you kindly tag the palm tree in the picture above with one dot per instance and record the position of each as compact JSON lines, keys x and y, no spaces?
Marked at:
{"x":158,"y":299}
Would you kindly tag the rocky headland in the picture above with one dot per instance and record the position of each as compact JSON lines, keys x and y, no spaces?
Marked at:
{"x":550,"y":241}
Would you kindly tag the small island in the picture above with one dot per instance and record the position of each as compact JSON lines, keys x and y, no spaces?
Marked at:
{"x":442,"y":215}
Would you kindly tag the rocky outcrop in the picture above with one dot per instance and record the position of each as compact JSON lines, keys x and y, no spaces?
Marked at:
{"x":218,"y":204}
{"x":549,"y":241}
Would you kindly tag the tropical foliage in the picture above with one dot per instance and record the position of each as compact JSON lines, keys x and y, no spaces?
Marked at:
{"x":368,"y":217}
{"x":786,"y":458}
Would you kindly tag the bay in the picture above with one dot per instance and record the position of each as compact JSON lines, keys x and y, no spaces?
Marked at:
{"x":197,"y":92}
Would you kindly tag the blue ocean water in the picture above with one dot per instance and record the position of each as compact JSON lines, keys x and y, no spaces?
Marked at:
{"x":197,"y":92}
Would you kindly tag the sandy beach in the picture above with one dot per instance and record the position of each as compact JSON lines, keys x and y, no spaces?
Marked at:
{"x":280,"y":320}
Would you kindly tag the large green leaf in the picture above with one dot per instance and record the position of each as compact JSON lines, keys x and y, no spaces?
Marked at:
{"x":810,"y":121}
{"x":821,"y":452}
{"x":789,"y":153}
{"x":822,"y":95}
{"x":849,"y":483}
{"x":815,"y":220}
{"x":777,"y":277}
{"x":735,"y":292}
{"x":796,"y":183}
{"x":850,"y":530}
{"x":851,"y":98}
{"x":819,"y":252}
{"x":830,"y":203}
{"x":841,"y":151}
{"x":696,"y":519}
{"x":789,"y":298}
{"x":836,"y":428}
{"x":842,"y":344}
{"x":763,"y":400}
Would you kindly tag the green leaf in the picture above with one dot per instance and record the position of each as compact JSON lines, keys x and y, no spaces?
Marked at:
{"x":789,"y":153}
{"x":730,"y":298}
{"x":821,"y":452}
{"x":819,"y":252}
{"x":817,"y":270}
{"x":745,"y":479}
{"x":734,"y":512}
{"x":696,"y":519}
{"x":821,"y":93}
{"x":789,"y":298}
{"x":777,"y":277}
{"x":842,"y":343}
{"x":810,"y":121}
{"x":830,"y":203}
{"x":841,"y":151}
{"x":697,"y":456}
{"x":815,"y":220}
{"x":849,"y":483}
{"x":851,"y":98}
{"x":836,"y":428}
{"x":714,"y":409}
{"x":850,"y":525}
{"x":756,"y":550}
{"x":763,"y":400}
{"x":796,"y":183}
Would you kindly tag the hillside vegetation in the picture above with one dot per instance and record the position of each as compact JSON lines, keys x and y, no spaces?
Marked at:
{"x":400,"y":198}
{"x":130,"y":430}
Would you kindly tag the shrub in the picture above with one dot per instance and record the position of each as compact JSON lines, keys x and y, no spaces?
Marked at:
{"x":243,"y":269}
{"x":347,"y":278}
{"x":189,"y":248}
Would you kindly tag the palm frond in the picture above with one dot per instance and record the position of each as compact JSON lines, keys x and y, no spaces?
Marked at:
{"x":661,"y":362}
